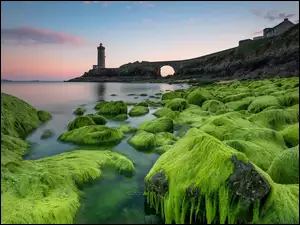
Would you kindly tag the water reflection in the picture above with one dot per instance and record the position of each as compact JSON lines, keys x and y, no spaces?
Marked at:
{"x":100,"y":88}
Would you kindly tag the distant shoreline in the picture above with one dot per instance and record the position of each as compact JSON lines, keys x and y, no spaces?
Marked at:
{"x":9,"y":81}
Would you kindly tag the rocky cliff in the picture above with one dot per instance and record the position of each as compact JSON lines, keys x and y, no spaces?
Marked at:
{"x":254,"y":59}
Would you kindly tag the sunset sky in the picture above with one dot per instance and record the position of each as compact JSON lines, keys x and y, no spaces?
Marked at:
{"x":58,"y":40}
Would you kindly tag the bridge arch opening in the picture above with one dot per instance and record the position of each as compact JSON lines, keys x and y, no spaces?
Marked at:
{"x":167,"y":71}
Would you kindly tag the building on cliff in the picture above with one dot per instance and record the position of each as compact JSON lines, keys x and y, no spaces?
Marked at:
{"x":271,"y":32}
{"x":278,"y":29}
{"x":101,"y":57}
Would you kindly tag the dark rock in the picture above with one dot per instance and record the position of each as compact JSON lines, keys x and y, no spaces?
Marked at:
{"x":158,"y":183}
{"x":246,"y":182}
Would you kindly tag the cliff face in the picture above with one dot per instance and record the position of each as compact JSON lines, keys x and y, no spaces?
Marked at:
{"x":264,"y":58}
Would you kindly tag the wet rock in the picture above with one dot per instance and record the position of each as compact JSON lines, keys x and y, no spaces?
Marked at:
{"x":158,"y":183}
{"x":246,"y":182}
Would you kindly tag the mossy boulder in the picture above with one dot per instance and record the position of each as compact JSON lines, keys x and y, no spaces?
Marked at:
{"x":93,"y":135}
{"x":47,"y":134}
{"x":162,"y":149}
{"x":198,"y":96}
{"x":275,"y":119}
{"x":145,"y":104}
{"x":97,"y":119}
{"x":12,"y":150}
{"x":162,"y":112}
{"x":113,"y":108}
{"x":289,"y":99}
{"x":285,"y":167}
{"x":262,"y":102}
{"x":80,"y":122}
{"x":162,"y":124}
{"x":121,"y":117}
{"x":79,"y":111}
{"x":44,"y":115}
{"x":174,"y":94}
{"x":236,"y":97}
{"x":127,"y":129}
{"x":18,"y":118}
{"x":138,"y":111}
{"x":291,"y":135}
{"x":177,"y":104}
{"x":101,"y":104}
{"x":242,"y":104}
{"x":180,"y":185}
{"x":145,"y":140}
{"x":213,"y":106}
{"x":48,"y":185}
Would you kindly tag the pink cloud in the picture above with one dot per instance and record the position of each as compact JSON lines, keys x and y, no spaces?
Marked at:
{"x":258,"y":32}
{"x":29,"y":35}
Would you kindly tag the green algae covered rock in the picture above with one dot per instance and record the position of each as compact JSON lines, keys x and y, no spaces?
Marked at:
{"x":113,"y":108}
{"x":174,"y":94}
{"x":138,"y":111}
{"x":93,"y":135}
{"x":162,"y":124}
{"x":79,"y":111}
{"x":275,"y":119}
{"x":177,"y":104}
{"x":262,"y":102}
{"x":145,"y":140}
{"x":236,"y":97}
{"x":181,"y":188}
{"x":121,"y":117}
{"x":98,"y":119}
{"x":162,"y":149}
{"x":142,"y":140}
{"x":145,"y":104}
{"x":18,"y":118}
{"x":47,"y":134}
{"x":285,"y":167}
{"x":260,"y":156}
{"x":213,"y":106}
{"x":43,"y":115}
{"x":291,"y":135}
{"x":101,"y":104}
{"x":12,"y":150}
{"x":242,"y":104}
{"x":48,"y":185}
{"x":162,"y":112}
{"x":198,"y":96}
{"x":289,"y":99}
{"x":80,"y":122}
{"x":127,"y":129}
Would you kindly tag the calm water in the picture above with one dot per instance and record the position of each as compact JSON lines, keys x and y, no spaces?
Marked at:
{"x":113,"y":198}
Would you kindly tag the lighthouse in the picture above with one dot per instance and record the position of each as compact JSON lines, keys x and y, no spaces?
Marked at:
{"x":101,"y":56}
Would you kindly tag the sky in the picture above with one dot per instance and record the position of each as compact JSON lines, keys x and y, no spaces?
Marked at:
{"x":58,"y":40}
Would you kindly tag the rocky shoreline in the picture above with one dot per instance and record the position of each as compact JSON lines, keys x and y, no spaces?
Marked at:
{"x":237,"y":162}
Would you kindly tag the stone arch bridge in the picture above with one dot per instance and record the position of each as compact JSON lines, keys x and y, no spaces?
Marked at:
{"x":175,"y":64}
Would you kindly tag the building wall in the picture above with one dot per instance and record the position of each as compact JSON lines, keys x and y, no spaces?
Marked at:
{"x":284,"y":26}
